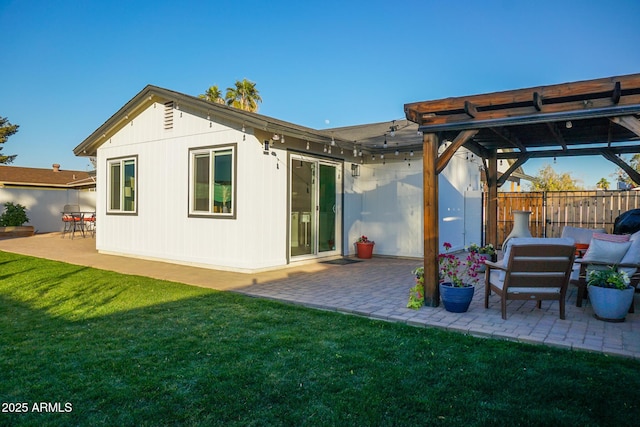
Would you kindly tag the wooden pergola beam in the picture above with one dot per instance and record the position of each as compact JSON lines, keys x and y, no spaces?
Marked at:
{"x":604,"y":88}
{"x":430,"y":212}
{"x":553,"y":128}
{"x":629,"y":122}
{"x":459,"y":141}
{"x":522,"y":159}
{"x":569,"y":152}
{"x":506,"y":135}
{"x":633,"y":174}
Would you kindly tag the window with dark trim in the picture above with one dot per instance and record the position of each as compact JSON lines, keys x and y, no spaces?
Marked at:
{"x":212,"y":182}
{"x":122,"y":185}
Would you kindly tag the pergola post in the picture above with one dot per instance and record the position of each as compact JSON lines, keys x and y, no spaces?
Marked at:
{"x":492,"y":199}
{"x":430,"y":210}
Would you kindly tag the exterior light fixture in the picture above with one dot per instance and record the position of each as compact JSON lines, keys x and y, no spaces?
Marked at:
{"x":266,"y":146}
{"x":333,"y":142}
{"x":355,"y":170}
{"x":282,"y":139}
{"x":569,"y":125}
{"x":307,"y":145}
{"x":385,"y":141}
{"x":275,"y":137}
{"x":393,"y":128}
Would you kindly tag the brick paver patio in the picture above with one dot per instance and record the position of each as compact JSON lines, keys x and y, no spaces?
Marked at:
{"x":377,"y":288}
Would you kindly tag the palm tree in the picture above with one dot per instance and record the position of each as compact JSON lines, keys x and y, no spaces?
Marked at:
{"x":213,"y":94}
{"x":244,"y":96}
{"x":603,"y":184}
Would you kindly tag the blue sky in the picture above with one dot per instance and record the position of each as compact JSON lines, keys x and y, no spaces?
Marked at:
{"x":67,"y":66}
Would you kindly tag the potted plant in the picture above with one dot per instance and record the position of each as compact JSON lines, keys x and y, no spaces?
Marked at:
{"x":364,"y":247}
{"x":485,"y":252}
{"x":488,"y":250}
{"x":458,"y":277}
{"x":12,"y":221}
{"x":416,"y":294}
{"x":610,"y":294}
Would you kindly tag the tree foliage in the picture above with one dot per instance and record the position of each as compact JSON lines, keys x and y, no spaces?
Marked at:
{"x":6,"y":130}
{"x":622,"y":175}
{"x":549,"y":180}
{"x":603,"y":184}
{"x":213,"y":94}
{"x":244,"y":95}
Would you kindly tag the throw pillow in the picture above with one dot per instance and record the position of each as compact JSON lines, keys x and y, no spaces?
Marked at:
{"x":631,"y":257}
{"x":579,"y":234}
{"x":612,"y":237}
{"x":605,"y":251}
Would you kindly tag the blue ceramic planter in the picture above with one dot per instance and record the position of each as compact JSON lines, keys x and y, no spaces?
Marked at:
{"x":610,"y":304}
{"x":456,"y":299}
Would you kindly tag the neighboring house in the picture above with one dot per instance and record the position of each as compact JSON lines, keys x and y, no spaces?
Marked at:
{"x":183,"y":180}
{"x":44,"y":192}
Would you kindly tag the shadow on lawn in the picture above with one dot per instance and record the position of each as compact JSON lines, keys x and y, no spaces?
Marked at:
{"x":128,"y":350}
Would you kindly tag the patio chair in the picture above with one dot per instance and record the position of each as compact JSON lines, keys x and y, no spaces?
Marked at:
{"x":530,"y":272}
{"x":71,"y":219}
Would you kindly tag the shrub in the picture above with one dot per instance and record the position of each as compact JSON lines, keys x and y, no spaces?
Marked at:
{"x":14,"y":215}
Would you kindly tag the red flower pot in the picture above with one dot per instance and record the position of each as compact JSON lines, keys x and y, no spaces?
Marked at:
{"x":364,"y":250}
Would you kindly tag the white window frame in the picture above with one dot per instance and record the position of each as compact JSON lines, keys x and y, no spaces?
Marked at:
{"x":123,"y":190}
{"x":211,"y":151}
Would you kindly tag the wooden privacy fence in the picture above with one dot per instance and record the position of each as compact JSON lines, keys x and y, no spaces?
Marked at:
{"x":551,"y":211}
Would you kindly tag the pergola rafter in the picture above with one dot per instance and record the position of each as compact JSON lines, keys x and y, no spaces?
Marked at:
{"x":593,"y":117}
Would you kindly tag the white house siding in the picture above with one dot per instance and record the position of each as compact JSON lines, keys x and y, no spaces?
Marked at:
{"x":162,"y":229}
{"x":385,"y":204}
{"x":44,"y":206}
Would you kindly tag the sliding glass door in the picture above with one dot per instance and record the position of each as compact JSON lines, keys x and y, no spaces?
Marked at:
{"x":315,"y":206}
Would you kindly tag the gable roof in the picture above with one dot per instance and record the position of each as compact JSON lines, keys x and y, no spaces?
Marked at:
{"x":16,"y":176}
{"x":366,"y":137}
{"x":151,"y":94}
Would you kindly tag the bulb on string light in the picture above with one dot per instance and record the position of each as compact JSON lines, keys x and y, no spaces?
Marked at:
{"x":307,"y":145}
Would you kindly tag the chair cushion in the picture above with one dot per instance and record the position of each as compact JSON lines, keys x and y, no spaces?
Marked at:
{"x":494,"y":279}
{"x":579,"y":234}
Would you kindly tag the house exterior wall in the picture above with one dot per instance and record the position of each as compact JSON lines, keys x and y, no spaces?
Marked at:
{"x":385,"y":204}
{"x":162,"y":228}
{"x":44,"y":206}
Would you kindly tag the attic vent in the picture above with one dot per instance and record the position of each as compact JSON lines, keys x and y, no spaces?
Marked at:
{"x":168,"y":115}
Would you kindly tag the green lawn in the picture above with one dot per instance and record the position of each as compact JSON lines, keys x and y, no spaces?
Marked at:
{"x":127,"y":350}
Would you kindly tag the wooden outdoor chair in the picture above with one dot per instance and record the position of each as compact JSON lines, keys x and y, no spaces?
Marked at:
{"x":531,"y":272}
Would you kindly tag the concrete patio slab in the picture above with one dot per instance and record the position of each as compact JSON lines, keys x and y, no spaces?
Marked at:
{"x":377,"y":288}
